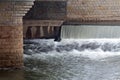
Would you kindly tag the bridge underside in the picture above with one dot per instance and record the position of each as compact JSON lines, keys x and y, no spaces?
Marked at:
{"x":69,"y":11}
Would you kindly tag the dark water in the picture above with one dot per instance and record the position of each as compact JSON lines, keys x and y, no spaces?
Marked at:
{"x":68,"y":60}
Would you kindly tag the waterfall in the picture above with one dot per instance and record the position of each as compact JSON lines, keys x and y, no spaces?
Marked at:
{"x":71,"y":59}
{"x":89,"y":31}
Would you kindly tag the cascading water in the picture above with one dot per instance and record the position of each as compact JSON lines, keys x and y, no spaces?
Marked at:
{"x":90,"y":31}
{"x":72,"y":59}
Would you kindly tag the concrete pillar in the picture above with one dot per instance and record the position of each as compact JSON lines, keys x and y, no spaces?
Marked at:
{"x":11,"y":32}
{"x":38,"y":33}
{"x":57,"y":32}
{"x":29,"y":32}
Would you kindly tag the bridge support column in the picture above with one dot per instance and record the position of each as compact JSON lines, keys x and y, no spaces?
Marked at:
{"x":11,"y":32}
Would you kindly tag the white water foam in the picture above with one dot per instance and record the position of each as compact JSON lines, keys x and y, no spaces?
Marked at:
{"x":97,"y":53}
{"x":66,"y":61}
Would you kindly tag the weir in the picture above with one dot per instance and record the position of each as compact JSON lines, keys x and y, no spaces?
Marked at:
{"x":11,"y":32}
{"x":90,"y":31}
{"x":69,"y":11}
{"x":84,"y":55}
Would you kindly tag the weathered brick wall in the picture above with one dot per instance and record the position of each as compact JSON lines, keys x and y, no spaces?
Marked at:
{"x":93,"y":10}
{"x":77,"y":10}
{"x":11,"y":32}
{"x":11,"y":46}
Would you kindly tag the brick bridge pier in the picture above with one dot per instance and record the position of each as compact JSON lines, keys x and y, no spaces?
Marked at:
{"x":11,"y":32}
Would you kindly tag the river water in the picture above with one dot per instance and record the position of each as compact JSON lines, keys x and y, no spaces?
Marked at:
{"x":70,"y":59}
{"x":90,"y":31}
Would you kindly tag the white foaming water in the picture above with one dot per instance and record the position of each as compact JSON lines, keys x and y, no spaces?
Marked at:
{"x":73,"y":59}
{"x":92,"y":48}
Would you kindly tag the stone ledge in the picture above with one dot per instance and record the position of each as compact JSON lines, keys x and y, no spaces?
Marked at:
{"x":11,"y":12}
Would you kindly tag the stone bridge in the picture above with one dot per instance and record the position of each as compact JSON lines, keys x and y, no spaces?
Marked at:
{"x":11,"y":31}
{"x":78,"y":11}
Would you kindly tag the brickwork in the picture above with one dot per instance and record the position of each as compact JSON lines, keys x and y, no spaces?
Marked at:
{"x":11,"y":46}
{"x":76,"y":10}
{"x":96,"y":10}
{"x":11,"y":32}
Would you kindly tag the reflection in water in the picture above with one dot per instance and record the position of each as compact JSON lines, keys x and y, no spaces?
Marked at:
{"x":12,"y":75}
{"x":68,"y":60}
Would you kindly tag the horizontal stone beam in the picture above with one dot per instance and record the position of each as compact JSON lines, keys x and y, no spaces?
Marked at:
{"x":53,"y":23}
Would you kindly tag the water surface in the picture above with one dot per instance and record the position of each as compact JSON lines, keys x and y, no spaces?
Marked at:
{"x":68,"y":60}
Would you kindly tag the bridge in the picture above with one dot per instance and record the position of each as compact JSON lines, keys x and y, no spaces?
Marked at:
{"x":78,"y":12}
{"x":11,"y":30}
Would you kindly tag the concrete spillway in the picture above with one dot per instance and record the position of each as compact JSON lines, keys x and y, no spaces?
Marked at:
{"x":90,"y":31}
